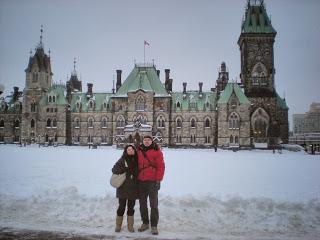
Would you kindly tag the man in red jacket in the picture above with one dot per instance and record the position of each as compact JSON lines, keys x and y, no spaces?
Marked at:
{"x":151,"y":171}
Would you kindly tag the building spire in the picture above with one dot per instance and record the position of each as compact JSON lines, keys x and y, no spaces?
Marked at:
{"x":74,"y":72}
{"x":41,"y":43}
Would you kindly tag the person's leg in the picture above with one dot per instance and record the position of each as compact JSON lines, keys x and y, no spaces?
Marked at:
{"x":120,"y":212}
{"x":153,"y":198}
{"x":143,"y":201}
{"x":130,"y":213}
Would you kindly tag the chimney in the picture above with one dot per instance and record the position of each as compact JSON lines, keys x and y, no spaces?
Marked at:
{"x":184,"y":87}
{"x":15,"y":93}
{"x":158,"y":73}
{"x":200,"y":87}
{"x":118,"y":85}
{"x":89,"y":93}
{"x":223,"y":67}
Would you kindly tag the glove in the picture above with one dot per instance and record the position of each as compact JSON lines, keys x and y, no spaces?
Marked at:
{"x":157,"y":186}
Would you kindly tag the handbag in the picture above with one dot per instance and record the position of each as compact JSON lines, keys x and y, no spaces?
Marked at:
{"x":117,"y":180}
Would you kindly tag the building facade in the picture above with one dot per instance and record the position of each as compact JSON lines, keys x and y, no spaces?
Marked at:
{"x":228,"y":115}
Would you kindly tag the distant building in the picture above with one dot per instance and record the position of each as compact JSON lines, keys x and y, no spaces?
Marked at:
{"x":228,"y":115}
{"x":306,"y":127}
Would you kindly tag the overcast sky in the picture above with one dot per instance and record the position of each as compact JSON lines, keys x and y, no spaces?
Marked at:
{"x":191,"y":38}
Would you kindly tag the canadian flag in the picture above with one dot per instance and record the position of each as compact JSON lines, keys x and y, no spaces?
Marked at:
{"x":146,"y":43}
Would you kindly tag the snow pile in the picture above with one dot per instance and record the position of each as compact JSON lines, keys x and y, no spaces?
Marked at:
{"x":223,"y":195}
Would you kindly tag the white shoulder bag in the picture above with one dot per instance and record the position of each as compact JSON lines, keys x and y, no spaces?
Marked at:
{"x":117,"y":180}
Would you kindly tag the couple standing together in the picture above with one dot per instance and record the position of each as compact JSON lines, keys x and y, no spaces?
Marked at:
{"x":144,"y":168}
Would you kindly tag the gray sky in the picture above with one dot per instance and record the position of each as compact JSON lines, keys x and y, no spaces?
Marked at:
{"x":191,"y":38}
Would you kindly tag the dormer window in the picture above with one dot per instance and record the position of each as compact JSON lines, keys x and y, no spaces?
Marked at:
{"x":91,"y":104}
{"x":78,"y":106}
{"x":207,"y":105}
{"x":178,"y":105}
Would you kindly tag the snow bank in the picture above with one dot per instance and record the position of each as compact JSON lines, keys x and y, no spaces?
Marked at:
{"x":223,"y":195}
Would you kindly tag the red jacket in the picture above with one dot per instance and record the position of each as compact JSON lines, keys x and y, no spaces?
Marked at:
{"x":152,"y":169}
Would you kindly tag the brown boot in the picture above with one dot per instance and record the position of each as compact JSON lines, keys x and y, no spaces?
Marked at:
{"x":143,"y":227}
{"x":119,"y":220}
{"x":130,"y":222}
{"x":154,"y":231}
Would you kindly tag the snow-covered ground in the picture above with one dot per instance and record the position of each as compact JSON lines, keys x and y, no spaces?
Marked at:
{"x":205,"y":194}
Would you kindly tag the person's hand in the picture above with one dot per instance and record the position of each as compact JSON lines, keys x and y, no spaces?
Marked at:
{"x":158,"y":185}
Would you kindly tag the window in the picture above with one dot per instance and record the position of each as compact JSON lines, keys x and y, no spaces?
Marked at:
{"x":207,"y":104}
{"x":78,"y":106}
{"x":54,"y":123}
{"x":104,"y":138}
{"x":192,"y":138}
{"x":193,"y":103}
{"x":233,"y":121}
{"x":140,"y":103}
{"x":48,"y":110}
{"x":48,"y":123}
{"x":160,"y":122}
{"x":90,"y":123}
{"x":207,"y":123}
{"x":178,"y":138}
{"x":120,"y":121}
{"x":179,"y":123}
{"x":35,"y":77}
{"x":33,"y":106}
{"x":231,"y":139}
{"x":193,"y":123}
{"x":50,"y":99}
{"x":1,"y":123}
{"x":47,"y":138}
{"x":104,"y":123}
{"x":32,"y":124}
{"x":207,"y":139}
{"x":1,"y":138}
{"x":56,"y":138}
{"x":17,"y":123}
{"x":89,"y":138}
{"x":178,"y":105}
{"x":54,"y":99}
{"x":76,"y":123}
{"x":236,"y":139}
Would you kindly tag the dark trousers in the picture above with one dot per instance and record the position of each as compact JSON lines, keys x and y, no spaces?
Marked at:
{"x":148,"y":189}
{"x":122,"y":207}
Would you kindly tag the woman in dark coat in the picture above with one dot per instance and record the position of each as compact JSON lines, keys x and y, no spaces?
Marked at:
{"x":128,"y":191}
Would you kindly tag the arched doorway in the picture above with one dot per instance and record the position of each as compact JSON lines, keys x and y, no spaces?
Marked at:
{"x":260,"y":125}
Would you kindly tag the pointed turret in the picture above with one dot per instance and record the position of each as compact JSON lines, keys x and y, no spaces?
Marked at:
{"x":74,"y":83}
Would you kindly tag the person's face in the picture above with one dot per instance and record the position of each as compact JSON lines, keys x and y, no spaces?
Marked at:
{"x":130,"y":151}
{"x":147,"y":142}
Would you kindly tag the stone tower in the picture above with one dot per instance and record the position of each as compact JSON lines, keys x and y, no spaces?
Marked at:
{"x":38,"y":81}
{"x":268,"y":111}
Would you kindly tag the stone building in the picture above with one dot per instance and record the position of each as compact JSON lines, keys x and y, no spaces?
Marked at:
{"x":228,"y":115}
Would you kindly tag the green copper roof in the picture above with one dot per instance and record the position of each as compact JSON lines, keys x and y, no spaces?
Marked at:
{"x":204,"y":102}
{"x":281,"y":102}
{"x":227,"y":92}
{"x":98,"y":100}
{"x":144,"y":78}
{"x":57,"y":90}
{"x":256,"y":20}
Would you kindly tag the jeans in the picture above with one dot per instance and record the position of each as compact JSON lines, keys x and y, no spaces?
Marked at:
{"x":149,"y":189}
{"x":122,"y":207}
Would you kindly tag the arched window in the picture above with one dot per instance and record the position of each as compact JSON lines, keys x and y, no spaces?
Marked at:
{"x":233,"y":121}
{"x":236,"y":139}
{"x":207,"y":123}
{"x":78,"y":106}
{"x":120,"y":121}
{"x":178,"y":105}
{"x":207,"y":105}
{"x":104,"y":105}
{"x":1,"y":123}
{"x":33,"y":106}
{"x":231,"y":139}
{"x":90,"y":123}
{"x":89,"y":138}
{"x":76,"y":123}
{"x":54,"y":99}
{"x":193,"y":123}
{"x":17,"y":123}
{"x":140,"y":103}
{"x":104,"y":123}
{"x":48,"y":122}
{"x":50,"y":99}
{"x":179,"y":123}
{"x":54,"y":123}
{"x":32,"y":123}
{"x":160,"y":122}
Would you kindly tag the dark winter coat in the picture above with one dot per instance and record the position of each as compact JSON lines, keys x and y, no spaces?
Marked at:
{"x":129,"y":189}
{"x":151,"y":164}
